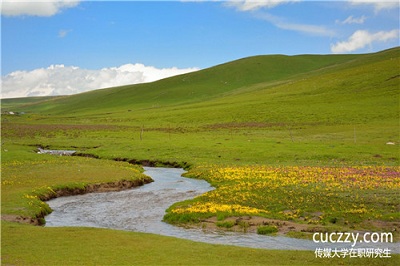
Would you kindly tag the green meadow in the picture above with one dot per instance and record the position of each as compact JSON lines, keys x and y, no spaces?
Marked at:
{"x":338,"y":111}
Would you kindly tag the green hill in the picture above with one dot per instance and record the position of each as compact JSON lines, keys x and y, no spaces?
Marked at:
{"x":311,"y":109}
{"x":197,"y":86}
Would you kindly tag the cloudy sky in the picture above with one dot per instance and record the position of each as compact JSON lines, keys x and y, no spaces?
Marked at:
{"x":67,"y":47}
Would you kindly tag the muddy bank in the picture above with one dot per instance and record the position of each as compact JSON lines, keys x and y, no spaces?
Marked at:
{"x":19,"y":219}
{"x":86,"y":155}
{"x":148,"y":163}
{"x":115,"y":186}
{"x":155,"y":163}
{"x":99,"y":187}
{"x":249,"y":224}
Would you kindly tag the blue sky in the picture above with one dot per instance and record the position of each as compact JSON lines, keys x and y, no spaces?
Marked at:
{"x":105,"y":43}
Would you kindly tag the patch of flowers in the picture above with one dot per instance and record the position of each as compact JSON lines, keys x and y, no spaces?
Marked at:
{"x":211,"y":207}
{"x":316,"y":195}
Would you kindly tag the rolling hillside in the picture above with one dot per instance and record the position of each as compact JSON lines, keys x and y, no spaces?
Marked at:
{"x":265,"y":131}
{"x":307,"y":109}
{"x":195,"y":87}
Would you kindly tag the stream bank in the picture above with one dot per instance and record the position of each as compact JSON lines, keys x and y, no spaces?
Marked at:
{"x":141,"y":209}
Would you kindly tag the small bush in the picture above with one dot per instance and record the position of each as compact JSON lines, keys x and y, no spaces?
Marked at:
{"x":264,"y":230}
{"x":222,"y":215}
{"x":174,"y":218}
{"x":226,"y":224}
{"x":244,"y":225}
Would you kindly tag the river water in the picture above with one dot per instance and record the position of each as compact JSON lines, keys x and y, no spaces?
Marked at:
{"x":141,"y":209}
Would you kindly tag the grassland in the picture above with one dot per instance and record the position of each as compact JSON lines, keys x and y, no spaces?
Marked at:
{"x":345,"y":112}
{"x":27,"y":245}
{"x":319,"y":112}
{"x":308,"y":199}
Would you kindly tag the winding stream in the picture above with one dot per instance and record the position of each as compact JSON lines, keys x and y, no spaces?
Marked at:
{"x":141,"y":209}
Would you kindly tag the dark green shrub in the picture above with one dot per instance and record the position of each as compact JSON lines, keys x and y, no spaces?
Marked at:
{"x":264,"y":230}
{"x":226,"y":224}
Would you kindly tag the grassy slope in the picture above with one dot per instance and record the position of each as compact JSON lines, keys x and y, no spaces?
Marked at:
{"x":301,"y":109}
{"x":192,"y":87}
{"x":17,"y":102}
{"x":313,"y":110}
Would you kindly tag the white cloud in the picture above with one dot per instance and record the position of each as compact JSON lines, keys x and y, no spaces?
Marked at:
{"x":303,"y":28}
{"x":66,"y":80}
{"x":352,"y":20}
{"x":251,"y":5}
{"x":363,"y":38}
{"x":378,"y":5}
{"x":42,"y":8}
{"x":255,"y":7}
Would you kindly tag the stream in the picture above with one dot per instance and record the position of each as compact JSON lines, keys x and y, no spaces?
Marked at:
{"x":141,"y":209}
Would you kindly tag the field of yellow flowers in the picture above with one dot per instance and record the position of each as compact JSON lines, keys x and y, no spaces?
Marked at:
{"x":349,"y":197}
